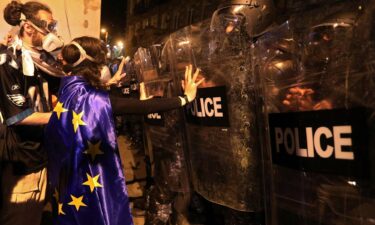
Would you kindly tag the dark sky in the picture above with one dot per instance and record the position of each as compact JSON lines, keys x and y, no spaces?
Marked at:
{"x":113,"y":18}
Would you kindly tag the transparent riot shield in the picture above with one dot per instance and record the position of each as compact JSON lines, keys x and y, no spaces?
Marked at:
{"x":317,"y":76}
{"x":224,"y":149}
{"x":166,"y":137}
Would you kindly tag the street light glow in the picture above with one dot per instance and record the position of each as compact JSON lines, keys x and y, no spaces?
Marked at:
{"x":237,"y":9}
{"x":185,"y":42}
{"x":120,"y":44}
{"x":103,"y":30}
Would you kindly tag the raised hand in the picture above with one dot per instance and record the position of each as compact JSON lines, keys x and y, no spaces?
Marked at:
{"x":119,"y":74}
{"x":301,"y":99}
{"x":189,"y":84}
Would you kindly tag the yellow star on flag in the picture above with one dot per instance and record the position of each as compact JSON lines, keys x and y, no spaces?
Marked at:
{"x":77,"y":120}
{"x":77,"y":202}
{"x":92,"y":182}
{"x":59,"y":109}
{"x":93,"y":150}
{"x":56,"y":195}
{"x":61,"y":212}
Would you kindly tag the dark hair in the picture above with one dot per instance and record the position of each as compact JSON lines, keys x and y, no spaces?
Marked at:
{"x":12,"y":13}
{"x":87,"y":69}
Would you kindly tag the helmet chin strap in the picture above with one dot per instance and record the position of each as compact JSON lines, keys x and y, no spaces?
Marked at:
{"x":83,"y":54}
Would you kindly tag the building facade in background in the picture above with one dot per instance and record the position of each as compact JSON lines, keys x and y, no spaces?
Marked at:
{"x":148,"y":21}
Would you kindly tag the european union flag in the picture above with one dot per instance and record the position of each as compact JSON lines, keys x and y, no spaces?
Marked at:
{"x":84,"y":169}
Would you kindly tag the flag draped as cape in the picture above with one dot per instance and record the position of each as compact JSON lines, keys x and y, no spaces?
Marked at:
{"x":85,"y":172}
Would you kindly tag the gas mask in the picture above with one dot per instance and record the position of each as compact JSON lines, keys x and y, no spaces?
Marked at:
{"x":51,"y":42}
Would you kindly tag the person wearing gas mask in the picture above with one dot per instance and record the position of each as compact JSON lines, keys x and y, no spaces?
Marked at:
{"x":84,"y":167}
{"x":29,"y":76}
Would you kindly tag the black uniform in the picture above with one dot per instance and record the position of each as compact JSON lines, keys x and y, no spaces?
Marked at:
{"x":21,"y":96}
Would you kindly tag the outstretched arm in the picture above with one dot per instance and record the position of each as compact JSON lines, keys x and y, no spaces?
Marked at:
{"x":146,"y":105}
{"x":36,"y":119}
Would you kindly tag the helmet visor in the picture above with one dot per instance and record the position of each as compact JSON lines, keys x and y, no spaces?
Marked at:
{"x":228,"y":31}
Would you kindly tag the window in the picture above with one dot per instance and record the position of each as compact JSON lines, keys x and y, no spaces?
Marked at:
{"x":147,"y":3}
{"x":190,"y":15}
{"x":154,"y":21}
{"x":165,"y":19}
{"x":130,"y":30}
{"x":183,"y":19}
{"x":176,"y":20}
{"x":137,"y":26}
{"x":131,"y":7}
{"x":145,"y":23}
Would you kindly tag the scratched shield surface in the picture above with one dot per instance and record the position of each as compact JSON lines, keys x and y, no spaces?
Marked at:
{"x":164,"y":130}
{"x":321,"y":63}
{"x":223,"y":145}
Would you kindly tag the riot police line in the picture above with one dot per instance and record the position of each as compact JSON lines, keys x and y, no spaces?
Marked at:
{"x":282,"y":128}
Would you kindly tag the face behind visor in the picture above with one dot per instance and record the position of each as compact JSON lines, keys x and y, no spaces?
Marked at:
{"x":329,"y":41}
{"x":235,"y":22}
{"x":254,"y":17}
{"x":228,"y":35}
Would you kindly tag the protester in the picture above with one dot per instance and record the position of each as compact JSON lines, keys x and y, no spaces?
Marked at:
{"x":29,"y":75}
{"x":84,"y":165}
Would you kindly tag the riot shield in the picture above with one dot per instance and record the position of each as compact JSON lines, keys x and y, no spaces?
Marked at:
{"x":317,"y":73}
{"x":224,"y":152}
{"x":166,"y":138}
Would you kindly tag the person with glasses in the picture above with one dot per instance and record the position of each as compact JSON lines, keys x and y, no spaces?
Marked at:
{"x":29,"y":76}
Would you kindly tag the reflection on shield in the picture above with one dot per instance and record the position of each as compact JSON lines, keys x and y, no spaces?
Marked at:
{"x":225,"y":156}
{"x":316,"y":70}
{"x":165,"y":137}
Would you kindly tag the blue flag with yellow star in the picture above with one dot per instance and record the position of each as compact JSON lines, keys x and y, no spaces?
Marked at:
{"x":84,"y":168}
